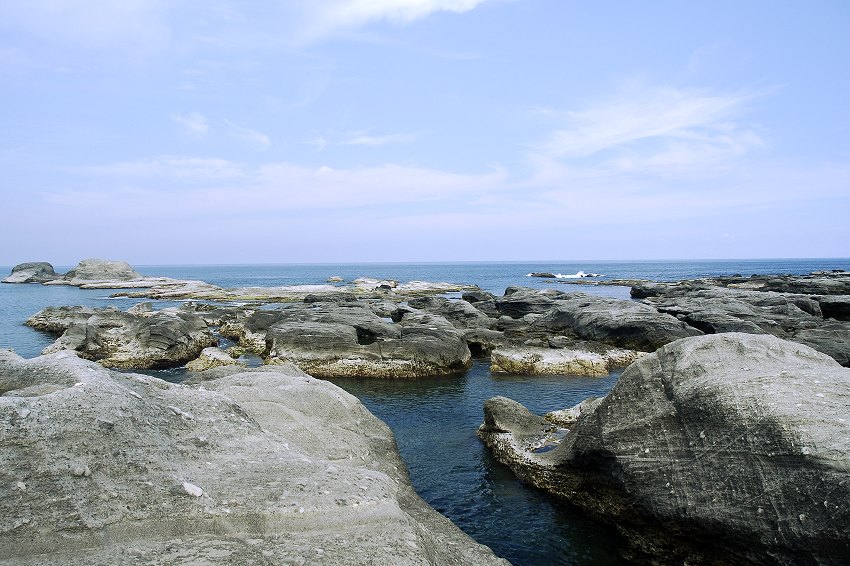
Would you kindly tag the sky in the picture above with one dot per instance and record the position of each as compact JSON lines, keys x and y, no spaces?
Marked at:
{"x":215,"y":131}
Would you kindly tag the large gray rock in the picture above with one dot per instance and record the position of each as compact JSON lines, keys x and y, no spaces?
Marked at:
{"x":57,"y":320}
{"x":89,"y":270}
{"x":627,"y":324}
{"x":520,"y":301}
{"x":354,"y":342}
{"x":160,"y":339}
{"x":102,"y":468}
{"x":32,"y":272}
{"x":460,"y":313}
{"x":729,"y":448}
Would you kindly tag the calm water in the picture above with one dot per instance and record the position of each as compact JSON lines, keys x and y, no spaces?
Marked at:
{"x":434,"y":420}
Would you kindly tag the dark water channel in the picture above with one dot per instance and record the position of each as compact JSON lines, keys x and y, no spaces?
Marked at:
{"x":434,"y":421}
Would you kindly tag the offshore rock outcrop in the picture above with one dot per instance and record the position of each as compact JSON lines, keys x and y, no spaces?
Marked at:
{"x":350,"y":341}
{"x":130,"y":340}
{"x":91,"y":270}
{"x":729,"y":448}
{"x":272,"y":467}
{"x":32,"y":272}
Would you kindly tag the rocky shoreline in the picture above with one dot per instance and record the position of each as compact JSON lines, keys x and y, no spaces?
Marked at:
{"x":264,"y":467}
{"x":731,"y":373}
{"x":722,"y":449}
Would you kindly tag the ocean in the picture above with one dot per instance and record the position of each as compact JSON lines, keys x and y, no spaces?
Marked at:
{"x":434,"y":420}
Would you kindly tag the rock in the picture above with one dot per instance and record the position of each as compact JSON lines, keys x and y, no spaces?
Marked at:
{"x":519,"y":301}
{"x":566,"y":418}
{"x":341,"y":297}
{"x":424,"y":288}
{"x":166,"y":338}
{"x":477,"y":296}
{"x":482,"y":342}
{"x":835,"y":306}
{"x":370,"y":284}
{"x":172,"y":289}
{"x":147,"y":308}
{"x":211,"y":358}
{"x":33,"y":272}
{"x":335,"y":279}
{"x":547,"y":361}
{"x":89,"y":270}
{"x":354,"y":342}
{"x":542,"y":274}
{"x":460,"y":313}
{"x":715,"y":449}
{"x":506,"y":415}
{"x":714,"y":308}
{"x":274,"y":466}
{"x":831,"y":338}
{"x":627,"y":324}
{"x":57,"y":320}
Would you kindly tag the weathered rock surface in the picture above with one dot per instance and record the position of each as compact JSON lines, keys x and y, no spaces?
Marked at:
{"x":520,"y":301}
{"x":359,"y":288}
{"x":210,"y":358}
{"x":159,"y":339}
{"x":580,"y":361}
{"x":32,"y":272}
{"x":716,"y":308}
{"x":89,"y":270}
{"x":627,"y":324}
{"x":817,"y":283}
{"x":832,"y":338}
{"x":729,"y":448}
{"x":331,"y":340}
{"x":57,"y":320}
{"x":102,"y":468}
{"x":460,"y":313}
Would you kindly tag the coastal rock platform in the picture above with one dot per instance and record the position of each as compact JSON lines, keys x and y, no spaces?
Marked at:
{"x":270,"y":467}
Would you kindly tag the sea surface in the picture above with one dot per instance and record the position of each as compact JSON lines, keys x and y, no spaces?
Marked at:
{"x":434,"y":420}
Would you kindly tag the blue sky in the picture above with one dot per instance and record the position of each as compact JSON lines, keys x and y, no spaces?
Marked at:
{"x":423,"y":130}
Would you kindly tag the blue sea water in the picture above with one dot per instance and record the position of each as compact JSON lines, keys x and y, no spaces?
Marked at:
{"x":434,"y":420}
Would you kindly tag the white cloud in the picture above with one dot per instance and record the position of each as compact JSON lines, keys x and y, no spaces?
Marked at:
{"x":364,"y":138}
{"x":324,"y":17}
{"x":665,"y":129}
{"x":194,"y":124}
{"x":361,"y":138}
{"x":210,"y":184}
{"x":247,"y":136}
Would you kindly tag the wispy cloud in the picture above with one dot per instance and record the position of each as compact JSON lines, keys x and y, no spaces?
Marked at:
{"x":179,"y":168}
{"x":362,"y":138}
{"x":326,"y":17}
{"x":659,"y":128}
{"x":248,"y":136}
{"x":194,"y":124}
